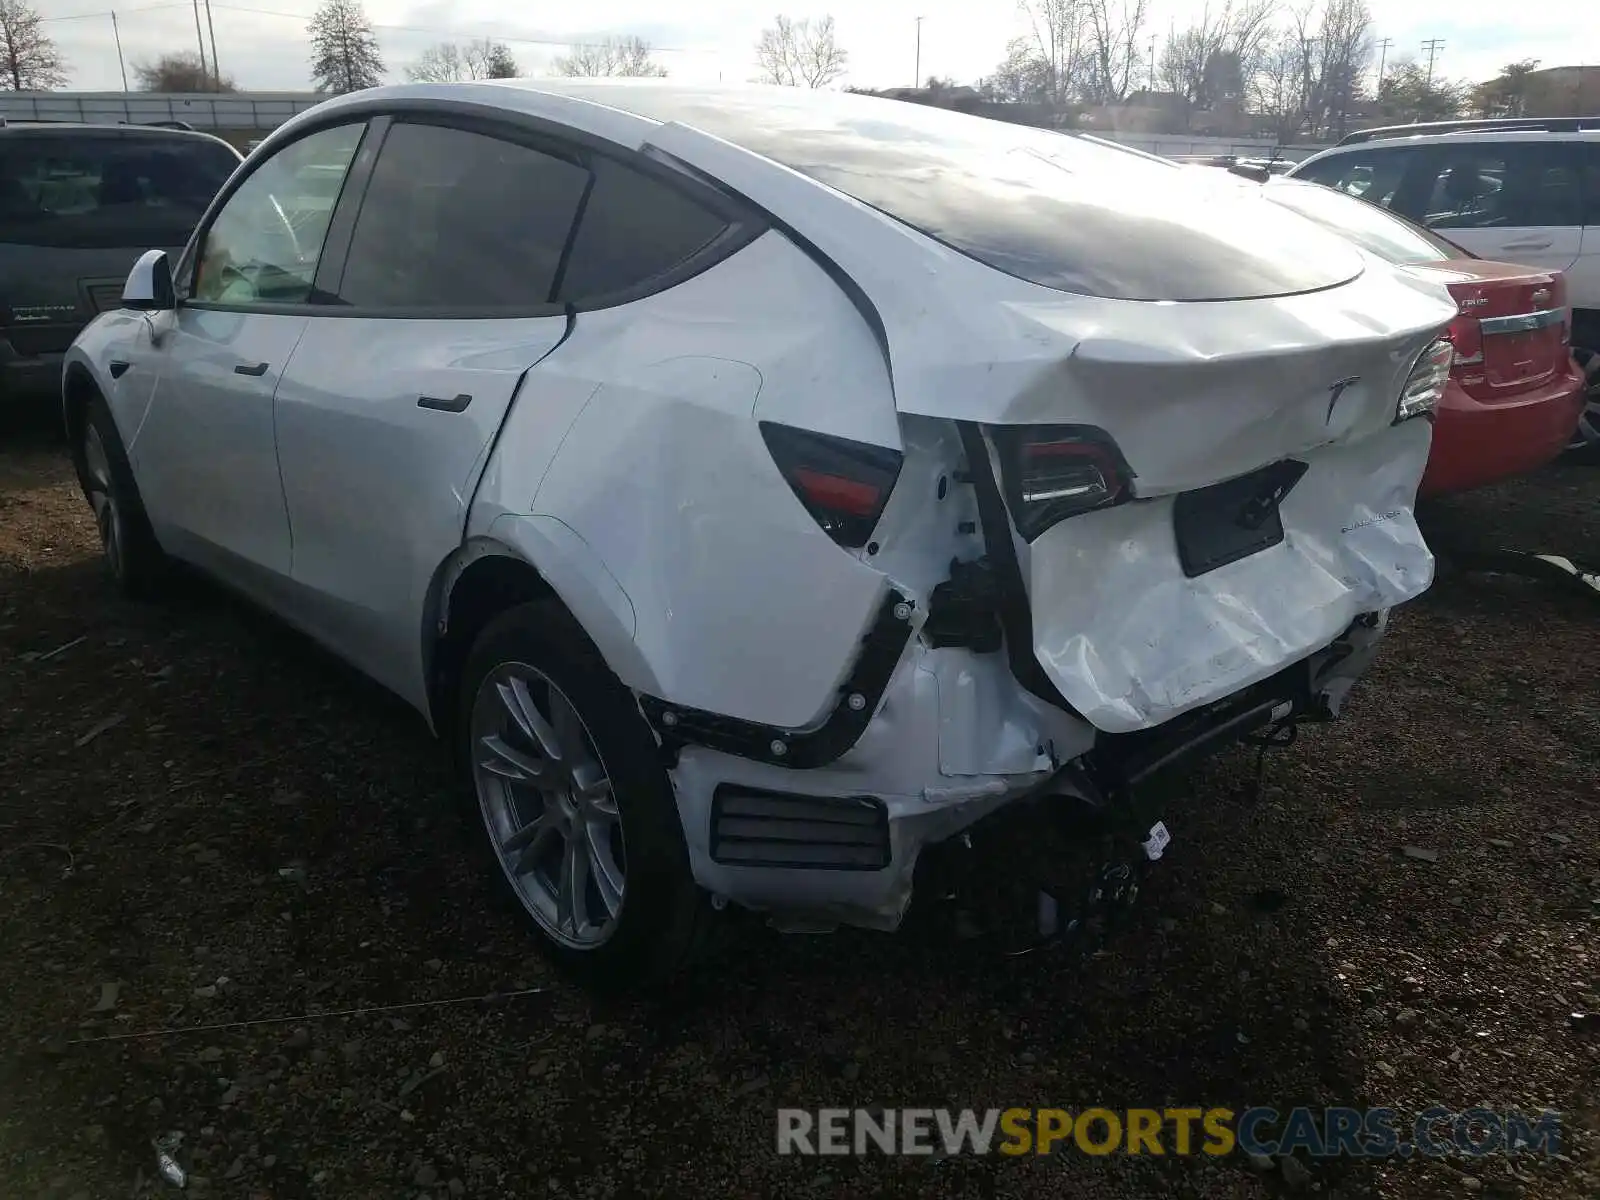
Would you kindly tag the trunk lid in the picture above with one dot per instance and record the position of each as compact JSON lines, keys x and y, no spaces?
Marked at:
{"x":1514,"y":331}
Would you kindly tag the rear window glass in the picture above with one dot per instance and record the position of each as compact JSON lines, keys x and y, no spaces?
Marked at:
{"x":100,"y":191}
{"x":1390,"y":238}
{"x":1068,"y":213}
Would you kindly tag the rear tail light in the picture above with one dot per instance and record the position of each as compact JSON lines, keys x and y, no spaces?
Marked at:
{"x":1466,"y":337}
{"x":1425,"y":385}
{"x":843,"y":484}
{"x":1053,"y":472}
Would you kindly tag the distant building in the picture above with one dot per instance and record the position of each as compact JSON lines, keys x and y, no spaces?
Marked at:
{"x":1563,"y":92}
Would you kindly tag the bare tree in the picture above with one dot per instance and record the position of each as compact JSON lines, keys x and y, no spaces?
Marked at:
{"x":489,"y":59}
{"x":1338,"y":56}
{"x":1060,"y":34}
{"x":1277,"y":88}
{"x":1217,"y":56}
{"x":29,"y":60}
{"x":344,"y":50}
{"x":1113,"y":33}
{"x":180,"y":71}
{"x":1023,"y":75}
{"x":611,"y":56}
{"x":452,"y":62}
{"x":800,"y":53}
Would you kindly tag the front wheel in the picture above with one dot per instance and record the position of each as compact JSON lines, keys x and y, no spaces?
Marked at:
{"x":577,"y":811}
{"x":132,"y":553}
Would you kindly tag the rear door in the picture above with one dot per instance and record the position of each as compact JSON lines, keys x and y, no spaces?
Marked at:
{"x":393,"y":397}
{"x":1516,"y":202}
{"x":77,"y":207}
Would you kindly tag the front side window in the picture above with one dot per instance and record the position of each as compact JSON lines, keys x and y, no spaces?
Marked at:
{"x":1374,"y":175}
{"x":101,"y":190}
{"x":458,"y":220}
{"x":263,"y":247}
{"x":1508,"y":185}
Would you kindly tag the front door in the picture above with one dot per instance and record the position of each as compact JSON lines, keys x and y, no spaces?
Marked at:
{"x":206,"y":452}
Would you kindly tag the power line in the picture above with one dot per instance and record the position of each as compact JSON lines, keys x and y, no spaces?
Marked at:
{"x":1383,"y":57}
{"x":106,"y":12}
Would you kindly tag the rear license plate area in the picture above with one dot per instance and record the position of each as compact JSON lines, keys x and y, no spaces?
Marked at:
{"x":1221,"y":524}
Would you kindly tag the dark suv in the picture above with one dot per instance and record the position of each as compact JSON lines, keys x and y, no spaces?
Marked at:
{"x":78,"y":204}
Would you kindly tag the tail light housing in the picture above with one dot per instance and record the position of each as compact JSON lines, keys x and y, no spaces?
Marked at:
{"x":1424,"y":387}
{"x":843,"y":484}
{"x":1465,"y":336}
{"x":1053,"y":472}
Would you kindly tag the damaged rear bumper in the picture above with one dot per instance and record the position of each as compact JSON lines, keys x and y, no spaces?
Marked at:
{"x":840,"y":844}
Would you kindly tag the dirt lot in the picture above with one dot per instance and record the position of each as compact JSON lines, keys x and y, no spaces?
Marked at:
{"x":209,"y":827}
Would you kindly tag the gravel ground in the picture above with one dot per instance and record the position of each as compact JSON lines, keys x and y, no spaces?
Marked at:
{"x":206,"y":822}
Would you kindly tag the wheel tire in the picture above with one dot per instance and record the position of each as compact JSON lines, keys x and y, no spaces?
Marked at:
{"x":663,"y":913}
{"x":1585,"y":447}
{"x":134,"y":557}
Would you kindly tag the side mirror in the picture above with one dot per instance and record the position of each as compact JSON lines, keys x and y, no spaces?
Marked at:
{"x":149,"y":285}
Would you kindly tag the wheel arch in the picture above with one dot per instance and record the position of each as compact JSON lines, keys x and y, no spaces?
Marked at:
{"x":78,"y":389}
{"x":522,"y":559}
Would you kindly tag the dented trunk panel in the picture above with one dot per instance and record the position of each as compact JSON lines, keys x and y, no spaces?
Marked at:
{"x":1131,"y":642}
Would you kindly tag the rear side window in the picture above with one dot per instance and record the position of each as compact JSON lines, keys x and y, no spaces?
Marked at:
{"x":633,"y":230}
{"x":1375,"y":175}
{"x":99,"y":191}
{"x":456,"y":219}
{"x":1506,"y":185}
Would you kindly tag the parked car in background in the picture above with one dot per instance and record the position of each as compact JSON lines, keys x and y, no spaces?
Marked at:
{"x":755,"y":486}
{"x":1516,"y":191}
{"x":1515,"y":393}
{"x":78,"y":204}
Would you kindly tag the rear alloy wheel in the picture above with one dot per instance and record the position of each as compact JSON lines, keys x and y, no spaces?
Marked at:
{"x":546,"y":801}
{"x":580,"y":818}
{"x":1585,"y":442}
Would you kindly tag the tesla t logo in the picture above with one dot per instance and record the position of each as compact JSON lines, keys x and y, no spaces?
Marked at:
{"x":1335,"y":392}
{"x":1541,"y":298}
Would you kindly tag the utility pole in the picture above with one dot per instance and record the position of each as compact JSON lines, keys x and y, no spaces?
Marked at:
{"x":1383,"y":57}
{"x":1432,"y":46}
{"x":200,"y":39}
{"x":917,"y":79}
{"x":216,"y":71}
{"x":115,"y":33}
{"x":1152,"y":62}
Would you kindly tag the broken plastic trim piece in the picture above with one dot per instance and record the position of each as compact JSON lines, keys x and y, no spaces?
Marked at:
{"x":811,"y":746}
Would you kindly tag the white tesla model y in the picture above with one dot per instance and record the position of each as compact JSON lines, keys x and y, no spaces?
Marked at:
{"x":756,"y":486}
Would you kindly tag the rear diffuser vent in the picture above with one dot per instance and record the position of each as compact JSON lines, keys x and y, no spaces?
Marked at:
{"x":755,"y":828}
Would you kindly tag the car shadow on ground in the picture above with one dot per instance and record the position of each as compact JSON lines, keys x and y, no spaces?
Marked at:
{"x":239,"y":834}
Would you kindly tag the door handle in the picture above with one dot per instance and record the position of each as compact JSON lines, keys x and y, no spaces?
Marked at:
{"x":258,"y":370}
{"x":457,"y":404}
{"x":119,"y":368}
{"x":1544,"y":245}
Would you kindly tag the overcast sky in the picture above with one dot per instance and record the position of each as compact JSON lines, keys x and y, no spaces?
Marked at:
{"x":262,"y":43}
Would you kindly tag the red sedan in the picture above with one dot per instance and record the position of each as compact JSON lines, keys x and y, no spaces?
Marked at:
{"x":1515,"y":393}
